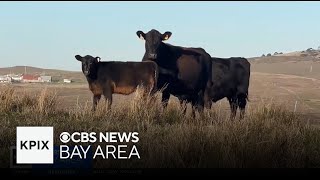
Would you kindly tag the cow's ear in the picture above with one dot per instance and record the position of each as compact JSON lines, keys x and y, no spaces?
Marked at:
{"x":166,"y":36}
{"x":78,"y":57}
{"x":141,"y":35}
{"x":98,"y":59}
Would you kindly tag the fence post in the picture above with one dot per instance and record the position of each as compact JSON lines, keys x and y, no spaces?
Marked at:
{"x":295,"y":106}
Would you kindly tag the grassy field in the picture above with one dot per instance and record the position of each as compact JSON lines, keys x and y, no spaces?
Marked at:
{"x":289,"y":79}
{"x":264,"y":87}
{"x":288,"y":65}
{"x":269,"y":136}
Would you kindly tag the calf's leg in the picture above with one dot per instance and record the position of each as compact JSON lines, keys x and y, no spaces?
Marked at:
{"x":96,"y":99}
{"x":242,"y":102}
{"x":108,"y":95}
{"x":165,"y":98}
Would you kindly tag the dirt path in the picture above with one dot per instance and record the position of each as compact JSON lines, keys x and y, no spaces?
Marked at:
{"x":286,"y":76}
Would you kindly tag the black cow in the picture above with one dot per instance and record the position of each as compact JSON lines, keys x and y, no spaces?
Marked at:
{"x":112,"y":77}
{"x":231,"y":78}
{"x":186,"y":72}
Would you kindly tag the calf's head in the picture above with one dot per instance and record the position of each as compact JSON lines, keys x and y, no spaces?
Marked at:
{"x":89,"y":64}
{"x":153,"y":40}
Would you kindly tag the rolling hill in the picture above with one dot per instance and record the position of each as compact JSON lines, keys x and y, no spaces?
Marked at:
{"x":292,"y":63}
{"x":299,"y":63}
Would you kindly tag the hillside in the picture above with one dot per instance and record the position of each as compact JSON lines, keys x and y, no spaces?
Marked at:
{"x":310,"y":53}
{"x":57,"y":75}
{"x":301,"y":63}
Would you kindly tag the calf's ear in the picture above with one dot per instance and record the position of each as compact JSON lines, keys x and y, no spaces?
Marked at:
{"x":78,"y":57}
{"x":98,"y":58}
{"x":141,"y":35}
{"x":166,"y":35}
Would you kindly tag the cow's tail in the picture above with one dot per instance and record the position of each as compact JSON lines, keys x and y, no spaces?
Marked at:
{"x":209,"y":73}
{"x":249,"y":72}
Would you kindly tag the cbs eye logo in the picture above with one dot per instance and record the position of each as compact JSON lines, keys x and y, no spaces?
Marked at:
{"x":65,"y":137}
{"x":78,"y":137}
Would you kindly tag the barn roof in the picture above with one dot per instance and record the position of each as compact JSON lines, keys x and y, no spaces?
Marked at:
{"x":30,"y":77}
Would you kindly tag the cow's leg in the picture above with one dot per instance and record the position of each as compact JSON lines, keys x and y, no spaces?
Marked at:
{"x":193,"y":112}
{"x":233,"y":106}
{"x":242,"y":102}
{"x":197,"y":105}
{"x":96,"y":99}
{"x":165,"y":98}
{"x":108,"y":96}
{"x":152,"y":92}
{"x":210,"y":104}
{"x":149,"y":96}
{"x":207,"y":99}
{"x":145,"y":94}
{"x":199,"y":101}
{"x":195,"y":108}
{"x":181,"y":100}
{"x":153,"y":98}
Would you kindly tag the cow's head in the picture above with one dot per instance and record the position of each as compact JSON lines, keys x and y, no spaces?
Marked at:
{"x":153,"y":40}
{"x":89,"y":63}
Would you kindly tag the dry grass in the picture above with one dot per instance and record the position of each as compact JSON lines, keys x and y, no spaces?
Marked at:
{"x":12,"y":102}
{"x":269,"y":136}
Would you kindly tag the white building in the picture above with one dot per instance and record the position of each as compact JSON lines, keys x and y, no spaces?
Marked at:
{"x":67,"y":80}
{"x":47,"y":79}
{"x":5,"y":79}
{"x":16,"y":78}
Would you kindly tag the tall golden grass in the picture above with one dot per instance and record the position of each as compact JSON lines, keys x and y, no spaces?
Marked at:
{"x":270,"y":136}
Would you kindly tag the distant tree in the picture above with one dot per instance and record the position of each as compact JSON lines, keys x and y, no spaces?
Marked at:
{"x":269,"y":54}
{"x":275,"y":53}
{"x":309,"y":49}
{"x":263,"y":55}
{"x":281,"y":53}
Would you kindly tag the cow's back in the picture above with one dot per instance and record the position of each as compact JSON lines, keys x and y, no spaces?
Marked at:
{"x":126,"y":76}
{"x":229,"y":76}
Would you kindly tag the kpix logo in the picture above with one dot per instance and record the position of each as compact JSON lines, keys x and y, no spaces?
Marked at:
{"x":34,"y":145}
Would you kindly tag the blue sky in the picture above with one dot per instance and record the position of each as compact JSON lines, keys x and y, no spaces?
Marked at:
{"x":50,"y":34}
